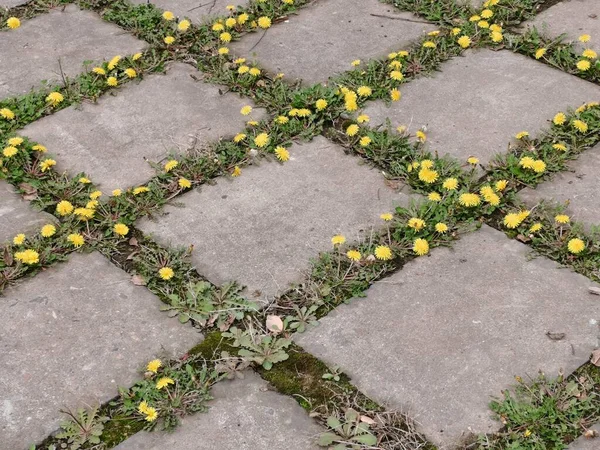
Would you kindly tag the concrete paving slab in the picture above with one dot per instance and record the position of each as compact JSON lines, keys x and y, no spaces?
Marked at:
{"x":73,"y":334}
{"x":574,"y":18}
{"x":261,"y":229}
{"x":17,"y":216}
{"x":333,"y":34}
{"x":112,"y":139}
{"x":490,"y":97}
{"x":579,"y":187}
{"x":449,"y":331}
{"x":245,"y":415}
{"x":11,"y":3}
{"x":584,"y":443}
{"x":198,"y":11}
{"x":40,"y":47}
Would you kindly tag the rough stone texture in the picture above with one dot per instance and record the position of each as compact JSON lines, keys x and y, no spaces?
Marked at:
{"x":245,"y":415}
{"x":16,"y":216}
{"x":33,"y":50}
{"x":574,"y":17}
{"x":479,"y":102}
{"x":580,"y":187}
{"x":73,"y":334}
{"x":450,"y":330}
{"x":111,"y":140}
{"x":333,"y":34}
{"x":196,"y":10}
{"x":11,"y":3}
{"x":263,"y":228}
{"x":587,"y":444}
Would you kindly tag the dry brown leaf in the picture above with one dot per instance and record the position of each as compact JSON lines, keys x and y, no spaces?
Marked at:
{"x":133,"y":242}
{"x":367,"y":419}
{"x":138,"y":280}
{"x":595,"y":359}
{"x":590,"y":434}
{"x":274,"y":324}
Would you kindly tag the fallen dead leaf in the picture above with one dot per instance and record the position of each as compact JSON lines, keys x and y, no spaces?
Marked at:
{"x":138,"y":280}
{"x":595,"y":359}
{"x":274,"y":324}
{"x":590,"y":434}
{"x":133,"y":242}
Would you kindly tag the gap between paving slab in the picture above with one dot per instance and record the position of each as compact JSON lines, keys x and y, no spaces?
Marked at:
{"x":198,"y":11}
{"x":145,"y":120}
{"x":245,"y":415}
{"x":72,"y":36}
{"x":584,"y":443}
{"x":333,"y":33}
{"x":17,"y":216}
{"x":262,"y":228}
{"x":579,"y":187}
{"x":71,"y":336}
{"x":446,"y":333}
{"x":478,"y":102}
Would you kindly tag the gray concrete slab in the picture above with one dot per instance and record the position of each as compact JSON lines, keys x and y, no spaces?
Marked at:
{"x":11,"y":3}
{"x":262,"y":228}
{"x":584,"y":443}
{"x":490,"y":97}
{"x":17,"y":216}
{"x":580,"y":188}
{"x":449,"y":331}
{"x":245,"y":415}
{"x":71,"y":336}
{"x":333,"y":34}
{"x":112,"y":139}
{"x":72,"y":36}
{"x":196,"y":10}
{"x":573,"y":17}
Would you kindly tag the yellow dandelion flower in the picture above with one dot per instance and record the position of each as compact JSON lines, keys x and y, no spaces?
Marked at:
{"x":487,"y":13}
{"x":539,"y":166}
{"x":239,"y":137}
{"x":242,"y":18}
{"x":19,"y":239}
{"x":7,"y":114}
{"x":54,"y":98}
{"x":364,"y":91}
{"x":496,"y":27}
{"x":170,"y":165}
{"x":429,"y":44}
{"x":428,"y":176}
{"x":95,"y":195}
{"x":386,"y":216}
{"x":13,"y":23}
{"x":10,"y":151}
{"x":473,"y":160}
{"x":416,"y":223}
{"x":164,"y":382}
{"x":282,"y":154}
{"x":168,"y":15}
{"x":396,"y":75}
{"x":184,"y":183}
{"x":28,"y":257}
{"x":433,"y":33}
{"x":560,"y":147}
{"x":441,"y":227}
{"x":562,"y":219}
{"x":184,"y":25}
{"x":85,"y":180}
{"x":223,"y":51}
{"x":321,"y":104}
{"x":338,"y":239}
{"x":121,"y":229}
{"x":254,"y":72}
{"x":264,"y":22}
{"x":64,"y":208}
{"x":426,"y":164}
{"x":576,"y":246}
{"x":140,"y":190}
{"x":496,"y":36}
{"x":450,"y":184}
{"x":236,"y":172}
{"x":153,"y":367}
{"x":584,"y":38}
{"x":527,"y":162}
{"x":535,"y":227}
{"x":353,"y":255}
{"x":580,"y":125}
{"x":99,"y":71}
{"x":76,"y":239}
{"x":166,"y":273}
{"x":46,"y":164}
{"x":540,"y":52}
{"x":421,"y":247}
{"x":395,"y":95}
{"x":84,"y":213}
{"x":434,"y":197}
{"x":421,"y":136}
{"x":521,"y":134}
{"x":246,"y":110}
{"x":116,"y":192}
{"x":501,"y":185}
{"x":469,"y":200}
{"x":151,"y":414}
{"x":113,"y":62}
{"x":455,"y":31}
{"x":365,"y":141}
{"x":262,"y":140}
{"x":559,"y":119}
{"x":483,"y":24}
{"x":584,"y":65}
{"x":230,"y":22}
{"x":131,"y":73}
{"x":39,"y":148}
{"x":395,"y":64}
{"x":170,"y":39}
{"x":363,"y":118}
{"x":512,"y":220}
{"x":589,"y":53}
{"x":355,"y":63}
{"x":112,"y":81}
{"x":474,"y":18}
{"x":48,"y":230}
{"x":464,"y":41}
{"x":383,"y":253}
{"x":136,"y":56}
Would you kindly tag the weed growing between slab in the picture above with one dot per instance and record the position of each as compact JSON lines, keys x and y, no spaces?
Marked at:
{"x":29,"y":10}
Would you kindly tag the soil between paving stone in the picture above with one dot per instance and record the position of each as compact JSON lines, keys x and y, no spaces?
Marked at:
{"x":579,"y":188}
{"x":71,"y":336}
{"x":490,"y":97}
{"x":42,"y":46}
{"x":145,"y":120}
{"x":198,"y":11}
{"x":333,"y":34}
{"x":262,"y":228}
{"x":245,"y":415}
{"x":448,"y":332}
{"x":17,"y":216}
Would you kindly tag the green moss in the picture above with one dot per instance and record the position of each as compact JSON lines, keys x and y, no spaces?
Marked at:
{"x":211,"y":347}
{"x":118,"y":429}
